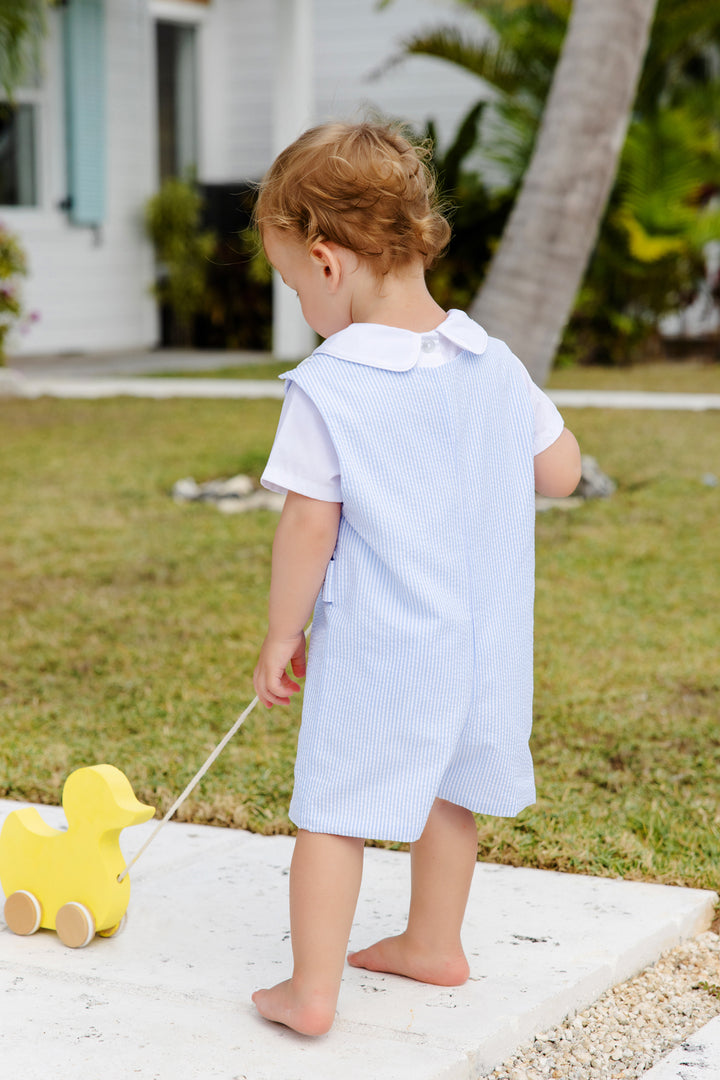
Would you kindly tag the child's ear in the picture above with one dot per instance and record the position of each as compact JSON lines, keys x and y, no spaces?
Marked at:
{"x":326,"y":256}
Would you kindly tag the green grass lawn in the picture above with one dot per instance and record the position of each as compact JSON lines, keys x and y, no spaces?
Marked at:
{"x":129,"y":628}
{"x":270,"y":370}
{"x":699,"y":376}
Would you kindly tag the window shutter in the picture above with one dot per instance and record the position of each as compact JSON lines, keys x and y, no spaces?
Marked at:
{"x":84,"y":61}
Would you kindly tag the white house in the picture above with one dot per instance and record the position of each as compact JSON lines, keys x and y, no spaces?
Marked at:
{"x":131,"y":91}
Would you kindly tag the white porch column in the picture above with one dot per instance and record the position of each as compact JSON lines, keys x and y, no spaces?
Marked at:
{"x":293,"y":113}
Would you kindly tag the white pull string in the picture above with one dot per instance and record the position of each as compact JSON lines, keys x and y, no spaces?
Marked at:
{"x":193,"y":783}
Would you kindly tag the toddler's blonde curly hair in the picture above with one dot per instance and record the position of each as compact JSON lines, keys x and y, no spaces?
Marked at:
{"x":363,"y":186}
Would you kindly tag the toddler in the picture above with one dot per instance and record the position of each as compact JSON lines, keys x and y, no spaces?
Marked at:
{"x":410,"y":446}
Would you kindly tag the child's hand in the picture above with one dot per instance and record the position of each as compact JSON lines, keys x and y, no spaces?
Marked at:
{"x":272,"y":683}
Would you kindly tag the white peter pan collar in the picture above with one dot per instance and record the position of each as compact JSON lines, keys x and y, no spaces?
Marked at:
{"x":393,"y":349}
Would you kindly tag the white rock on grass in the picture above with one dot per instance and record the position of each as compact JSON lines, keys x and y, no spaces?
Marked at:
{"x":235,"y":495}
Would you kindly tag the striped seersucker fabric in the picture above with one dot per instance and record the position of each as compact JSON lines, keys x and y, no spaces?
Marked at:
{"x":419,"y":679}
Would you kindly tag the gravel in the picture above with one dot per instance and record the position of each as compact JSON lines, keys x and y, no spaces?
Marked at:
{"x":631,"y":1027}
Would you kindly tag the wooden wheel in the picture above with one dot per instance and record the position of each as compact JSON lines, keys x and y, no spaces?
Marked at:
{"x":75,"y":925}
{"x":113,"y":930}
{"x":22,"y":912}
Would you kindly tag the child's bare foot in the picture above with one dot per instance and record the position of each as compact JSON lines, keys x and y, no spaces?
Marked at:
{"x":311,"y":1014}
{"x":396,"y":956}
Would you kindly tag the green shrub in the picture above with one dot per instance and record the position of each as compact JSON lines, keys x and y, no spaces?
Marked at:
{"x":184,"y":250}
{"x":13,"y":266}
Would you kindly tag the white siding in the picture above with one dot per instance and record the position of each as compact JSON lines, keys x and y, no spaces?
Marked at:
{"x":357,"y":40}
{"x":91,"y":290}
{"x":238,"y":71}
{"x":352,"y":40}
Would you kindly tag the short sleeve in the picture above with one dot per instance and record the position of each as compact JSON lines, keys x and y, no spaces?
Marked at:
{"x":548,"y":421}
{"x":303,"y":458}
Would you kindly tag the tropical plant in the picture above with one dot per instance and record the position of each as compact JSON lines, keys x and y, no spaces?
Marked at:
{"x":683,"y":54}
{"x":13,"y":266}
{"x":22,"y":28}
{"x":477,"y":210}
{"x":650,"y":257}
{"x":173,"y":220}
{"x":650,"y":252}
{"x":514,"y":53}
{"x":536,"y":272}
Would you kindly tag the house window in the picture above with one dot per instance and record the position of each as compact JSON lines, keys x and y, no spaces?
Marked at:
{"x":18,"y":185}
{"x":177,"y":96}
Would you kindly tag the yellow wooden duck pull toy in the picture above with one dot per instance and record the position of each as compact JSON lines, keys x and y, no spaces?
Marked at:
{"x":68,"y":881}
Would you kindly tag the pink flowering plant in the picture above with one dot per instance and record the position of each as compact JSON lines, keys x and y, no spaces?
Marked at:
{"x":13,"y":266}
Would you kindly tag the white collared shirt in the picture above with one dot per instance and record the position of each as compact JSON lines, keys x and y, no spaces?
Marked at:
{"x":303,"y":457}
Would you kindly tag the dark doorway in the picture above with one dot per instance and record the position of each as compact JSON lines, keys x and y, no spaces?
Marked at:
{"x":177,"y":99}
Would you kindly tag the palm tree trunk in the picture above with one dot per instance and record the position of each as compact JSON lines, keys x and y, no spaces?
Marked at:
{"x":531,"y":286}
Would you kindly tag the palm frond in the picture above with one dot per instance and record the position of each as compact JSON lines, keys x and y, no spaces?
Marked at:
{"x":670,"y":156}
{"x":683,"y":51}
{"x":488,"y":59}
{"x":558,"y":8}
{"x":22,"y":27}
{"x":668,"y":163}
{"x":508,"y":66}
{"x":508,"y":136}
{"x":464,"y":142}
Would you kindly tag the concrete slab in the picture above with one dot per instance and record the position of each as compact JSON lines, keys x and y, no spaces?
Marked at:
{"x":208,"y":923}
{"x":633,"y":399}
{"x":42,"y":381}
{"x":136,"y":362}
{"x":697,"y":1059}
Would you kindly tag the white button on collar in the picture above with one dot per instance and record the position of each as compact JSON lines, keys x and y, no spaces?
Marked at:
{"x":428,"y":343}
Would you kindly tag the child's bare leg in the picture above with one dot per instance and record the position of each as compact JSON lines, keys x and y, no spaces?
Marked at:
{"x":324,"y":883}
{"x":443,"y":861}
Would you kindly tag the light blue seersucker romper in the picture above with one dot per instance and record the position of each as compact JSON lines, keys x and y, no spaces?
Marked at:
{"x":419,"y":679}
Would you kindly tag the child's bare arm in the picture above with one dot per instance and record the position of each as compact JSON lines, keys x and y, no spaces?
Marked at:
{"x":558,"y":468}
{"x":304,"y":542}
